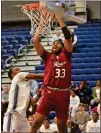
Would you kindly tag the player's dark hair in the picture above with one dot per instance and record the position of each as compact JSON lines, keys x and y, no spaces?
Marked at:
{"x":60,"y":40}
{"x":10,"y":73}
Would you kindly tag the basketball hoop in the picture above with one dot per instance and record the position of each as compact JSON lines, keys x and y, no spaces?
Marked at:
{"x":40,"y":19}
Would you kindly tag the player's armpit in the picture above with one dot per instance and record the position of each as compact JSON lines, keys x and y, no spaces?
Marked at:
{"x":34,"y":76}
{"x":39,"y":48}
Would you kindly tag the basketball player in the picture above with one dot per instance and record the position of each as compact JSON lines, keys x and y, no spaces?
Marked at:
{"x":19,"y":98}
{"x":57,"y":79}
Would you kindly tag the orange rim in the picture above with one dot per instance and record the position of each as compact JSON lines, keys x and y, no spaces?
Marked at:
{"x":31,"y":6}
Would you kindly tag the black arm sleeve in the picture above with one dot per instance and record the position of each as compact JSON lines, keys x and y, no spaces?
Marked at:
{"x":66,"y":33}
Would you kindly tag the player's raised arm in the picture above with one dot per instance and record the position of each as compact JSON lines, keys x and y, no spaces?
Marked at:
{"x":39,"y":48}
{"x":34,"y":76}
{"x":66,"y":32}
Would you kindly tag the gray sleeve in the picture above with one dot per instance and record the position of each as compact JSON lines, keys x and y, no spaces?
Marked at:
{"x":87,"y":117}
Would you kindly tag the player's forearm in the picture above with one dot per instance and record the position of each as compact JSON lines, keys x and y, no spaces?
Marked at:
{"x":68,"y":41}
{"x":39,"y":48}
{"x":60,"y":21}
{"x":36,"y":39}
{"x":64,"y":29}
{"x":39,"y":76}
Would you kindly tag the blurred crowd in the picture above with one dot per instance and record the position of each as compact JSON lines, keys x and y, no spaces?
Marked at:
{"x":84,"y":109}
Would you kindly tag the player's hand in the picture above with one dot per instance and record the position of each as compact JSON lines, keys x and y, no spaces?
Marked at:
{"x":58,"y":16}
{"x":42,"y":74}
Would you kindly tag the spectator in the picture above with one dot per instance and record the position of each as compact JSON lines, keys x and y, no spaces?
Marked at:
{"x":5,"y":93}
{"x":74,"y":102}
{"x":47,"y":127}
{"x":55,"y":123}
{"x":74,"y":40}
{"x":57,"y":36}
{"x":96,"y":94}
{"x":4,"y":102}
{"x":71,"y":126}
{"x":84,"y":92}
{"x":33,"y":86}
{"x":30,"y":119}
{"x":93,"y":126}
{"x":81,"y":117}
{"x":88,"y":11}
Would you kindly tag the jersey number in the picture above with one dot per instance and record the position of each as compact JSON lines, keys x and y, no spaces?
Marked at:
{"x":60,"y":73}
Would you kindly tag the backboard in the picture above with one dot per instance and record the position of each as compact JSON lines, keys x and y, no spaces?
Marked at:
{"x":70,"y":10}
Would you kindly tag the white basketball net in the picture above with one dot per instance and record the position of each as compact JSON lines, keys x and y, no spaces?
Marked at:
{"x":40,"y":20}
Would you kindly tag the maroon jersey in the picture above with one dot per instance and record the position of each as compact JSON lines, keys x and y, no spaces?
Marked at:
{"x":57,"y":69}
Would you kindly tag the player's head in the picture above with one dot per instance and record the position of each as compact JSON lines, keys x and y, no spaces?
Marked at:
{"x":13,"y":71}
{"x":57,"y":46}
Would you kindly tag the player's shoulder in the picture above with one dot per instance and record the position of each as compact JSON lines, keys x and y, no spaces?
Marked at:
{"x":20,"y":74}
{"x":17,"y":76}
{"x":46,"y":54}
{"x":65,"y":52}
